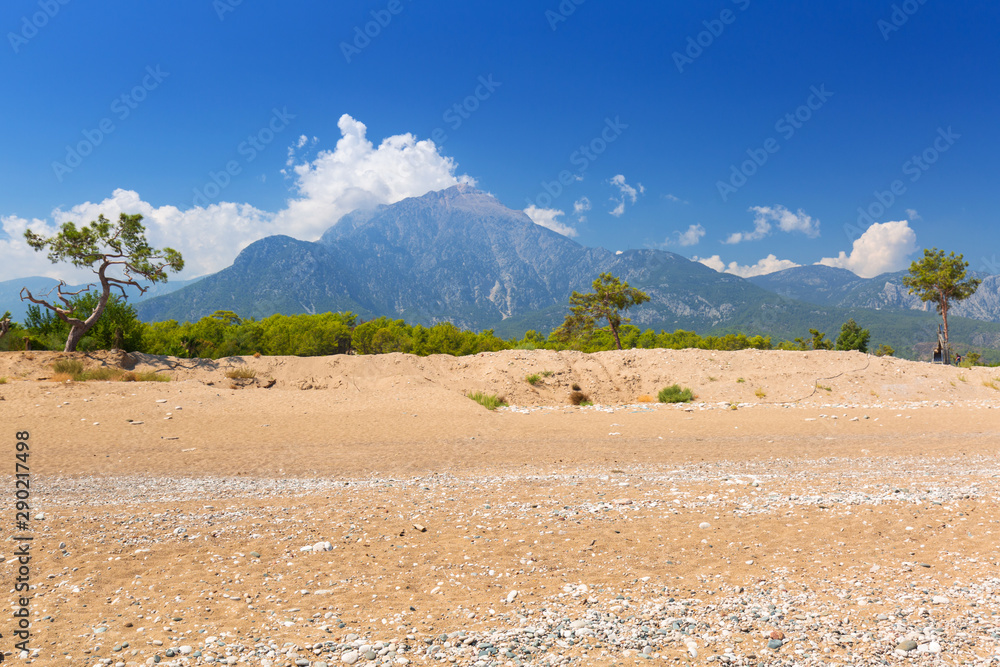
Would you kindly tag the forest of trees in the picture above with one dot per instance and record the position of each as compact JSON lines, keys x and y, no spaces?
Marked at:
{"x":225,"y":333}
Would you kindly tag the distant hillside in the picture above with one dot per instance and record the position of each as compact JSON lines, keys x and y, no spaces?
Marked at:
{"x":826,"y":285}
{"x":10,"y":292}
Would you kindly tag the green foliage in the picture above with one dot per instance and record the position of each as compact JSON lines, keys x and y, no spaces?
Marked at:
{"x":224,"y":334}
{"x":853,"y":337}
{"x":488,"y":401}
{"x":675,"y":394}
{"x":533,"y":379}
{"x":610,"y":298}
{"x":819,"y":340}
{"x":884,"y":350}
{"x":941,"y":279}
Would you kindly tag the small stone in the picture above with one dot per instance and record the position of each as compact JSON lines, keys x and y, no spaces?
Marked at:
{"x":906,"y":645}
{"x":350,"y":657}
{"x":940,"y":599}
{"x":511,"y":596}
{"x":777,"y":634}
{"x":775,"y":644}
{"x":254,"y":554}
{"x":704,"y":525}
{"x":419,"y":528}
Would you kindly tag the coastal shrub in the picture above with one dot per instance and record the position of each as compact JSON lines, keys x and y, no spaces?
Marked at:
{"x":675,"y":394}
{"x":533,"y":379}
{"x":488,"y":401}
{"x":579,"y":398}
{"x":243,"y":373}
{"x":759,"y":392}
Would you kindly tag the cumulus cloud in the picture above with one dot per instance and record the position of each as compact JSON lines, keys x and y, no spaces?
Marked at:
{"x":912,"y":214}
{"x":884,"y":247}
{"x":358,"y":175}
{"x":766,"y":217}
{"x":627,"y":193}
{"x":355,"y":174}
{"x":690,"y":237}
{"x":581,"y":206}
{"x":549,"y":218}
{"x":769,"y":264}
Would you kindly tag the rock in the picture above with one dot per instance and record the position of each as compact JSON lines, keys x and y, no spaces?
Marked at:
{"x":906,"y":645}
{"x":934,"y":647}
{"x":623,"y":501}
{"x":254,"y":554}
{"x":350,"y":657}
{"x":775,"y":644}
{"x":940,"y":599}
{"x":704,"y":525}
{"x":419,"y":528}
{"x":777,"y":634}
{"x":322,"y":546}
{"x":511,"y":596}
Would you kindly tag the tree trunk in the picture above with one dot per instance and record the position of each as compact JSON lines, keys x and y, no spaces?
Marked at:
{"x":76,"y":332}
{"x":944,"y":316}
{"x":79,"y":329}
{"x":614,"y":330}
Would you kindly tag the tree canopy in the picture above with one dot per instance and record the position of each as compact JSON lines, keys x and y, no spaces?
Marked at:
{"x":117,"y":253}
{"x":853,"y":337}
{"x":610,"y":298}
{"x":941,"y":279}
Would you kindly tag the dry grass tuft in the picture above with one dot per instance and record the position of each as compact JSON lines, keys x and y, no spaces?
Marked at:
{"x":646,"y":398}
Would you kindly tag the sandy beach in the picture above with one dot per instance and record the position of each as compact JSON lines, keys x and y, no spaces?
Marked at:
{"x":807,"y":508}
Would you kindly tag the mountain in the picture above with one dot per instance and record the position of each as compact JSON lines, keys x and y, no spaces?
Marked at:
{"x":830,"y":286}
{"x":10,"y":292}
{"x":456,"y":255}
{"x":459,"y":255}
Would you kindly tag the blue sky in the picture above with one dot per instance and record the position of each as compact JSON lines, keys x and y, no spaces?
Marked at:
{"x":731,"y":130}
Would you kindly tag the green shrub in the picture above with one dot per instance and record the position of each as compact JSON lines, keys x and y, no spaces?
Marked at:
{"x":547,"y":374}
{"x":675,"y":394}
{"x":579,"y":398}
{"x":72,"y":367}
{"x":241,"y":373}
{"x":533,"y":379}
{"x":488,"y":401}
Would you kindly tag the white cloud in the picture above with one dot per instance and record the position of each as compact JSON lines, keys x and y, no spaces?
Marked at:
{"x":912,"y":214}
{"x":884,"y":247}
{"x":690,"y":237}
{"x":581,"y":206}
{"x":765,"y":217}
{"x":355,"y":174}
{"x":548,"y":218}
{"x":358,"y":175}
{"x":769,"y":264}
{"x":628,"y":193}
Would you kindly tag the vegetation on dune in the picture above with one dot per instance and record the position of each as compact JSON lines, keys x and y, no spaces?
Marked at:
{"x":675,"y":394}
{"x":488,"y":401}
